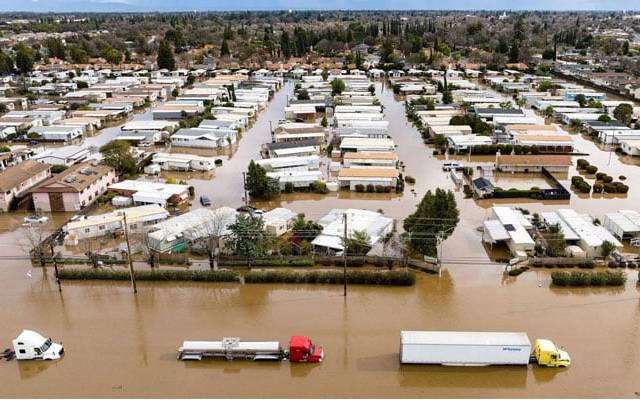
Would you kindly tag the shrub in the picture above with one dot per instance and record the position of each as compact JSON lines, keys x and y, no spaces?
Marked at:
{"x":598,"y":187}
{"x":600,"y":175}
{"x":610,"y":188}
{"x":380,"y":189}
{"x":560,"y":278}
{"x":359,"y":188}
{"x":621,"y":187}
{"x":56,"y":169}
{"x":579,"y":278}
{"x":591,"y":169}
{"x":518,"y":271}
{"x":582,"y":163}
{"x":607,"y":179}
{"x":389,"y":278}
{"x":370,"y":188}
{"x":583,"y":187}
{"x":410,"y":179}
{"x":289,"y":187}
{"x":319,"y":187}
{"x":576,"y":179}
{"x":622,"y":178}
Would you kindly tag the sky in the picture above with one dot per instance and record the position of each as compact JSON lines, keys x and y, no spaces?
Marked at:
{"x":231,"y":5}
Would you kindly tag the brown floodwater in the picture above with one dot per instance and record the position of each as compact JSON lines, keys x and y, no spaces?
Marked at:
{"x":121,"y":345}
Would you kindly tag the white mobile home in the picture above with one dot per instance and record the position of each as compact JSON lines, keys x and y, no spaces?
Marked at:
{"x":109,"y":223}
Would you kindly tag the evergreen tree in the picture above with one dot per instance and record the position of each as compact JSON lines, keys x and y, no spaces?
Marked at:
{"x":6,"y":63}
{"x":166,"y":60}
{"x":514,"y":52}
{"x":248,"y":238}
{"x":259,"y":184}
{"x":285,"y":45}
{"x":436,"y":214}
{"x":24,"y":58}
{"x":224,"y":48}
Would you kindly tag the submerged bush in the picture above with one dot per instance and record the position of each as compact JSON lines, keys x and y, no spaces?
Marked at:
{"x":582,"y":279}
{"x":390,"y":278}
{"x":146,"y":275}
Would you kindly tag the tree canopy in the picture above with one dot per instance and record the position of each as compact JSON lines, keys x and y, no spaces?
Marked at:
{"x":118,"y":154}
{"x":248,"y":238}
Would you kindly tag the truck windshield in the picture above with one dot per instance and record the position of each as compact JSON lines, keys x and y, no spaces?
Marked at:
{"x":45,"y":346}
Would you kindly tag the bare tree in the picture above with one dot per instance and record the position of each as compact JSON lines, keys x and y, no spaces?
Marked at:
{"x":32,"y":241}
{"x":214,"y":229}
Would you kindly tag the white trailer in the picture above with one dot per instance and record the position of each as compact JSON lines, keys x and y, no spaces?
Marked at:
{"x":464,"y":348}
{"x":30,"y":345}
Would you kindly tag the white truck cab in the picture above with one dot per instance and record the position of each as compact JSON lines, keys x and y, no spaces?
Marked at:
{"x":30,"y":345}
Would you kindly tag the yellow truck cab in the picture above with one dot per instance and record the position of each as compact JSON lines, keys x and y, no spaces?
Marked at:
{"x":546,"y":353}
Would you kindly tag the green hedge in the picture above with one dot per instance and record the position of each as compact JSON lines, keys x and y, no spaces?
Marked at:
{"x":581,"y":278}
{"x":158,"y":275}
{"x":518,"y":271}
{"x":513,"y":193}
{"x":305,"y":262}
{"x":390,"y":278}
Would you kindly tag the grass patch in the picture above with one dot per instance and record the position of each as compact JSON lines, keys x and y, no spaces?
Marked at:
{"x":390,"y":278}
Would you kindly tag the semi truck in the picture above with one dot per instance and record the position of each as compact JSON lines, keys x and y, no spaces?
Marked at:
{"x":301,"y":349}
{"x":478,"y":349}
{"x":30,"y":345}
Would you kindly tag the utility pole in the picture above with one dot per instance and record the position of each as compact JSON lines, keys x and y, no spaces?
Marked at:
{"x":244,"y":188}
{"x":126,"y":237}
{"x":55,"y":267}
{"x":440,"y":241}
{"x":344,"y":255}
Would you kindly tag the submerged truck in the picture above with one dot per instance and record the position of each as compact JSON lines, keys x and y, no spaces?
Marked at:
{"x":301,"y":349}
{"x":30,"y":345}
{"x":478,"y":349}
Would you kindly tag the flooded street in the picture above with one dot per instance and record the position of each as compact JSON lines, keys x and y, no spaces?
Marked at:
{"x":121,"y":345}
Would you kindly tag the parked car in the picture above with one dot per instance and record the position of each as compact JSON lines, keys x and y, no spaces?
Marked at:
{"x":204,"y":200}
{"x":35,"y":219}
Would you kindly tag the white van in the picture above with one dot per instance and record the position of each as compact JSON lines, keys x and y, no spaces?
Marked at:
{"x":451,"y":165}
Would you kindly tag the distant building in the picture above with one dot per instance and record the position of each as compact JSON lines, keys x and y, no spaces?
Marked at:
{"x":15,"y":181}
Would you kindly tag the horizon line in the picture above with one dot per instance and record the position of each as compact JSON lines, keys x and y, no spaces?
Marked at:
{"x":324,"y":10}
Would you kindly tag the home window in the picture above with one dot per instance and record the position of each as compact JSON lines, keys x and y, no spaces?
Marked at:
{"x":101,"y":227}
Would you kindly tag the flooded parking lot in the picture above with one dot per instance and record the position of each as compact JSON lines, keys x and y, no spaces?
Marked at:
{"x":121,"y":345}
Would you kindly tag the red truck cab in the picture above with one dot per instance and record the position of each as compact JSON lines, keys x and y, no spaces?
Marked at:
{"x":302,"y":350}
